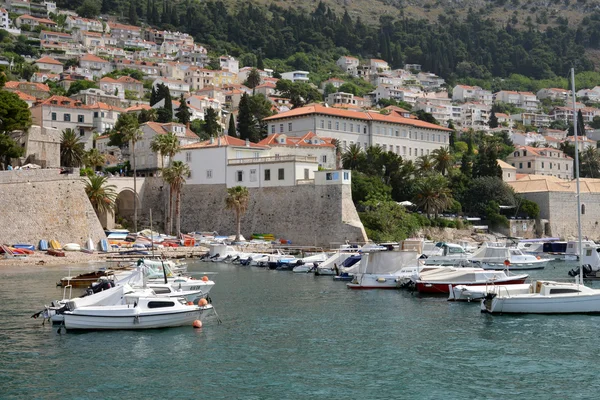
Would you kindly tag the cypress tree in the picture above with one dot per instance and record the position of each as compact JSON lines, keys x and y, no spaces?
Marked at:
{"x":133,"y":18}
{"x":259,"y":62}
{"x":231,"y":130}
{"x":148,"y":11}
{"x":155,"y":16}
{"x":245,"y":119}
{"x":174,"y":16}
{"x":165,"y":113}
{"x":183,"y":111}
{"x":493,"y":122}
{"x":153,"y":99}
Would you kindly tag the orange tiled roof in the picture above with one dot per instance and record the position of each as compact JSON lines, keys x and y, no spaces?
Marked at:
{"x":48,"y":60}
{"x":223,"y":141}
{"x":103,"y":106}
{"x":366,"y":115}
{"x":160,"y":129}
{"x":62,"y":101}
{"x":17,"y":85}
{"x":24,"y":96}
{"x":93,"y":58}
{"x":138,"y":107}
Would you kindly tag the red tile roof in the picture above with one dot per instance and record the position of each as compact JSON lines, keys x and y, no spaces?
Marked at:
{"x":48,"y":60}
{"x":23,"y":85}
{"x":163,"y":129}
{"x":62,"y":101}
{"x":368,"y":115}
{"x":24,"y":96}
{"x":224,"y":141}
{"x":103,"y":106}
{"x":93,"y":58}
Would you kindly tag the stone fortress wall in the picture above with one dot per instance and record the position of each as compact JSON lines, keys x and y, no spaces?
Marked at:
{"x":43,"y":204}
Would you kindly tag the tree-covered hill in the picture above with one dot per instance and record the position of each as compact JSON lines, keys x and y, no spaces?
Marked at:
{"x":462,"y":44}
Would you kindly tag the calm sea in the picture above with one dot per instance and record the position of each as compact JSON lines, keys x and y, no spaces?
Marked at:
{"x":291,"y":336}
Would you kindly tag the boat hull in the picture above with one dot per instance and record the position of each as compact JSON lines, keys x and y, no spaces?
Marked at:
{"x":368,"y":281}
{"x":444,"y":287}
{"x":131,"y":319}
{"x":535,"y":304}
{"x":478,"y":292}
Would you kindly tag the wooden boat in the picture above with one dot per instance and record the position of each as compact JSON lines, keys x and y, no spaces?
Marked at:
{"x":56,"y":253}
{"x":83,"y":280}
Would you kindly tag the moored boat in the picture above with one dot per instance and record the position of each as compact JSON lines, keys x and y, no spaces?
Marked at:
{"x":478,"y":292}
{"x":55,"y":252}
{"x":439,"y":281}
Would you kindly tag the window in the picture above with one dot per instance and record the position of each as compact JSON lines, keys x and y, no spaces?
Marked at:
{"x":542,"y":164}
{"x":328,"y":124}
{"x":337,"y":126}
{"x":344,"y":145}
{"x":404,"y":150}
{"x":346,"y":175}
{"x":410,"y":151}
{"x":188,"y":156}
{"x":81,"y":132}
{"x":67,"y":117}
{"x":558,"y":166}
{"x":344,"y":126}
{"x":550,"y":165}
{"x":520,"y":165}
{"x":80,"y":118}
{"x":439,"y":138}
{"x":289,"y":126}
{"x":281,"y":174}
{"x":427,"y":136}
{"x":421,"y":136}
{"x":328,"y":176}
{"x":209,"y":174}
{"x":306,"y":173}
{"x":256,"y":154}
{"x":365,"y":129}
{"x":567,"y":167}
{"x":582,"y":209}
{"x":397,"y":133}
{"x":528,"y":164}
{"x":377,"y":130}
{"x":324,"y":159}
{"x":351,"y":127}
{"x":252,"y":175}
{"x":267,"y":174}
{"x":397,"y":149}
{"x":421,"y":151}
{"x":385,"y":147}
{"x":239,"y":176}
{"x":280,"y":128}
{"x":95,"y":114}
{"x":322,"y":124}
{"x":272,"y":129}
{"x":53,"y":116}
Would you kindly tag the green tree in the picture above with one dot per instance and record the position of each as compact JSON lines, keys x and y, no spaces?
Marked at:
{"x":128,"y":128}
{"x":484,"y":189}
{"x":212,"y":127}
{"x":14,"y":113}
{"x":365,"y":187}
{"x":443,"y":159}
{"x":237,"y":200}
{"x":299,"y":93}
{"x":94,"y":159}
{"x":425,"y":164}
{"x":165,"y":113}
{"x":175,"y":176}
{"x":9,"y":149}
{"x":183,"y":113}
{"x":353,"y":157}
{"x":493,"y":122}
{"x":433,"y":195}
{"x":133,"y":17}
{"x":102,"y":195}
{"x":72,"y":150}
{"x":231,"y":129}
{"x":427,"y":117}
{"x":89,"y":9}
{"x":386,"y":221}
{"x":80,"y":85}
{"x":253,"y":79}
{"x":147,"y":115}
{"x":252,"y":111}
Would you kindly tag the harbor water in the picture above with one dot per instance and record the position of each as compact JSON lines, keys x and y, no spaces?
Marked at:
{"x":297,"y":336}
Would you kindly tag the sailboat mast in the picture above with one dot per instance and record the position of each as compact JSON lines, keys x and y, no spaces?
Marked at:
{"x":577,"y":175}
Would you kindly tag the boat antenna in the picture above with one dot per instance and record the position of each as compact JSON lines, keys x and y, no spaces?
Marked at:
{"x":151,"y":236}
{"x":577,"y":175}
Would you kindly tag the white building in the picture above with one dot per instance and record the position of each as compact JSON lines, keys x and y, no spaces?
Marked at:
{"x":296,"y":76}
{"x":49,"y":64}
{"x":407,"y":137}
{"x":541,"y":161}
{"x":176,"y":87}
{"x":348,"y":64}
{"x":235,"y":162}
{"x":525,"y":100}
{"x":472,"y":93}
{"x":105,"y":116}
{"x":7,"y":24}
{"x":527,"y":139}
{"x":230,"y":64}
{"x":96,"y":65}
{"x":553,"y":94}
{"x":309,"y":145}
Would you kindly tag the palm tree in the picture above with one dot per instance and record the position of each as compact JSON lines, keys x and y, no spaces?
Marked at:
{"x":157,"y":146}
{"x":94,"y":159}
{"x":128,"y":126}
{"x":425,"y":164}
{"x":590,"y":162}
{"x":101,"y":195}
{"x":171,"y":146}
{"x":166,"y":145}
{"x":175,"y":176}
{"x":72,"y":150}
{"x":433,"y":194}
{"x":237,"y":200}
{"x":149,"y":115}
{"x":353,"y":157}
{"x":443,"y":160}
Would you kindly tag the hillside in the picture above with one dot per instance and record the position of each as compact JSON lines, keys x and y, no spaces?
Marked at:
{"x":458,"y":40}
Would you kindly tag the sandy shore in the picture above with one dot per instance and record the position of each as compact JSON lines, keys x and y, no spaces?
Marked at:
{"x":77,"y":257}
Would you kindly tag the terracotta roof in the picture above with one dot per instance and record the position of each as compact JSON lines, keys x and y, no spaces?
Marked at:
{"x":24,"y":96}
{"x":127,"y":79}
{"x":114,"y":25}
{"x":504,"y":165}
{"x":62,"y":101}
{"x":537,"y":183}
{"x":536,"y":151}
{"x":138,"y":107}
{"x":17,"y":85}
{"x":48,"y":60}
{"x":368,"y":115}
{"x":56,"y":33}
{"x":103,"y":106}
{"x":224,"y":141}
{"x":93,"y":58}
{"x":108,"y":79}
{"x":302,"y":141}
{"x":162,"y":129}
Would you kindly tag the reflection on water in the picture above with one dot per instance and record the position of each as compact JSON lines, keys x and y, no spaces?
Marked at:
{"x":298,"y":336}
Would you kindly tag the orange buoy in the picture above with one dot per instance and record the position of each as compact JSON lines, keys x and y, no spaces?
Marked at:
{"x":202,"y":302}
{"x":190,"y":303}
{"x":197,"y":324}
{"x":506,"y":262}
{"x":539,"y":258}
{"x":205,"y":278}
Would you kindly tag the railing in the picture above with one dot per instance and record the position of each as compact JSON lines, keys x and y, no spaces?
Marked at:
{"x":259,"y":160}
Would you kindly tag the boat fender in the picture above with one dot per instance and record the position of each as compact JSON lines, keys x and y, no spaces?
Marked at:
{"x":380,"y":280}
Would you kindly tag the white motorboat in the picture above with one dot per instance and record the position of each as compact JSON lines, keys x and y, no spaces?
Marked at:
{"x":177,"y":267}
{"x":497,"y":256}
{"x":136,"y":313}
{"x":380,"y":269}
{"x":545,"y":297}
{"x":448,"y":254}
{"x":551,"y":297}
{"x":329,"y":266}
{"x":478,"y":292}
{"x":309,"y":263}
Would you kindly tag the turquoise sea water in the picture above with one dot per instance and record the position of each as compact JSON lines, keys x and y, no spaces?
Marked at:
{"x":291,"y":336}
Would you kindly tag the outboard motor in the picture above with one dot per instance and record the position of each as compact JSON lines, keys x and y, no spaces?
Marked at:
{"x":215,"y":256}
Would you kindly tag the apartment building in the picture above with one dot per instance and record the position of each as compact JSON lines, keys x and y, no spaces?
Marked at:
{"x":541,"y":161}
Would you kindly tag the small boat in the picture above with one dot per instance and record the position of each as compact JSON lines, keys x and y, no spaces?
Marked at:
{"x":72,"y":247}
{"x":379,"y":269}
{"x":448,"y":254}
{"x":478,"y":292}
{"x":43,"y":246}
{"x":9,"y":252}
{"x":104,"y":246}
{"x":55,"y":253}
{"x":83,"y":280}
{"x":439,"y":281}
{"x":89,"y":245}
{"x":497,"y":256}
{"x":24,"y":246}
{"x":54,"y":244}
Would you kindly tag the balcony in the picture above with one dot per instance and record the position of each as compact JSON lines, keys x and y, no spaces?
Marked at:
{"x":273,"y":159}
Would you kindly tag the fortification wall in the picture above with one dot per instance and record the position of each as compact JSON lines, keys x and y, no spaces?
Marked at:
{"x":310,"y":215}
{"x":560,"y":209}
{"x":42,"y":204}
